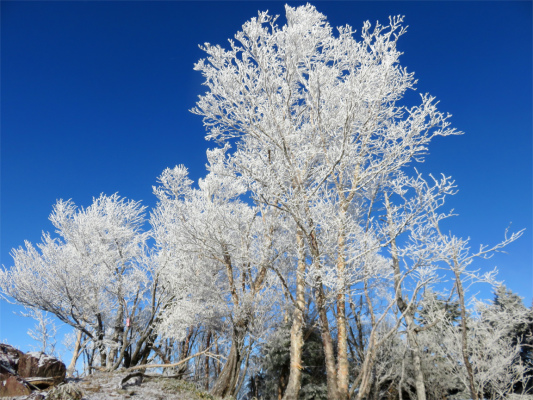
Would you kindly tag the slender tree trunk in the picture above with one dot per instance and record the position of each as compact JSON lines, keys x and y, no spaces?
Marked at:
{"x":342,"y":337}
{"x":375,"y":394}
{"x":206,"y":365}
{"x":327,"y":341}
{"x":217,"y":364}
{"x":297,"y":339}
{"x":366,"y":369}
{"x":402,"y":376}
{"x":101,"y":346}
{"x":227,"y":380}
{"x":464,"y":335}
{"x":245,"y":369}
{"x":281,"y":386}
{"x":185,"y":347}
{"x":89,"y":359}
{"x":117,"y":335}
{"x":127,"y":357}
{"x":408,"y":314}
{"x":124,"y":343}
{"x":147,"y":339}
{"x":417,"y":362}
{"x":411,"y":334}
{"x":136,"y":353}
{"x":72,"y":367}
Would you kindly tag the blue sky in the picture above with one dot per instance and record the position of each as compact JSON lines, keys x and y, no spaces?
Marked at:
{"x":95,"y":99}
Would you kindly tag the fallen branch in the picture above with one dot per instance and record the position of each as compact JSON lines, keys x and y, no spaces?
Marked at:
{"x":205,"y":352}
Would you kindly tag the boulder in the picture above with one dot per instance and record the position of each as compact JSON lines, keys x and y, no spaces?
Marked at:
{"x":21,"y":372}
{"x":14,"y":386}
{"x":9,"y":359}
{"x":36,"y":364}
{"x":10,"y":383}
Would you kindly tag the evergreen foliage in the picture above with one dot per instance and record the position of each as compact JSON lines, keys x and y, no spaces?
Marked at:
{"x":271,"y":381}
{"x":519,"y":331}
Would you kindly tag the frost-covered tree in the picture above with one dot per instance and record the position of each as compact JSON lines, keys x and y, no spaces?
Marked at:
{"x":520,"y":329}
{"x":90,"y":275}
{"x":222,"y":259}
{"x":44,"y":331}
{"x":497,"y":371}
{"x":318,"y":119}
{"x":458,"y":257}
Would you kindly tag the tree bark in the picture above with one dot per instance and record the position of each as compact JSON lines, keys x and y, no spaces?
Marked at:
{"x":327,"y":341}
{"x":206,"y":362}
{"x":72,"y":367}
{"x":101,"y":346}
{"x":342,"y":337}
{"x":227,"y":380}
{"x":417,"y":364}
{"x":117,"y":335}
{"x":297,"y":340}
{"x":366,"y":369}
{"x":464,"y":336}
{"x":185,"y":348}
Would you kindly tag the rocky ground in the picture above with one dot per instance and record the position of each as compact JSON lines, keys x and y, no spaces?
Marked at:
{"x":36,"y":376}
{"x":104,"y":386}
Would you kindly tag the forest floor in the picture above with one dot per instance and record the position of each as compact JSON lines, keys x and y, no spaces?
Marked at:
{"x":106,"y":386}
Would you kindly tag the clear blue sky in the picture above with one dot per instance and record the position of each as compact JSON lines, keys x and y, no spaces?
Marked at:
{"x":95,"y":99}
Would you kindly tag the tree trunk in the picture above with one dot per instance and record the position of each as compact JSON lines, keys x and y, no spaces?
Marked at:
{"x":72,"y":367}
{"x":206,"y":362}
{"x":281,"y":386}
{"x":124,"y":344}
{"x":464,"y":337}
{"x":411,"y":334}
{"x":297,"y":338}
{"x":89,"y":359}
{"x":417,"y":364}
{"x":342,"y":337}
{"x":146,"y":339}
{"x":100,"y":344}
{"x":403,"y":307}
{"x":185,"y":348}
{"x":117,"y":336}
{"x":365,"y":373}
{"x":227,"y":380}
{"x":143,"y":355}
{"x":327,"y":341}
{"x":127,"y":357}
{"x":217,"y":364}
